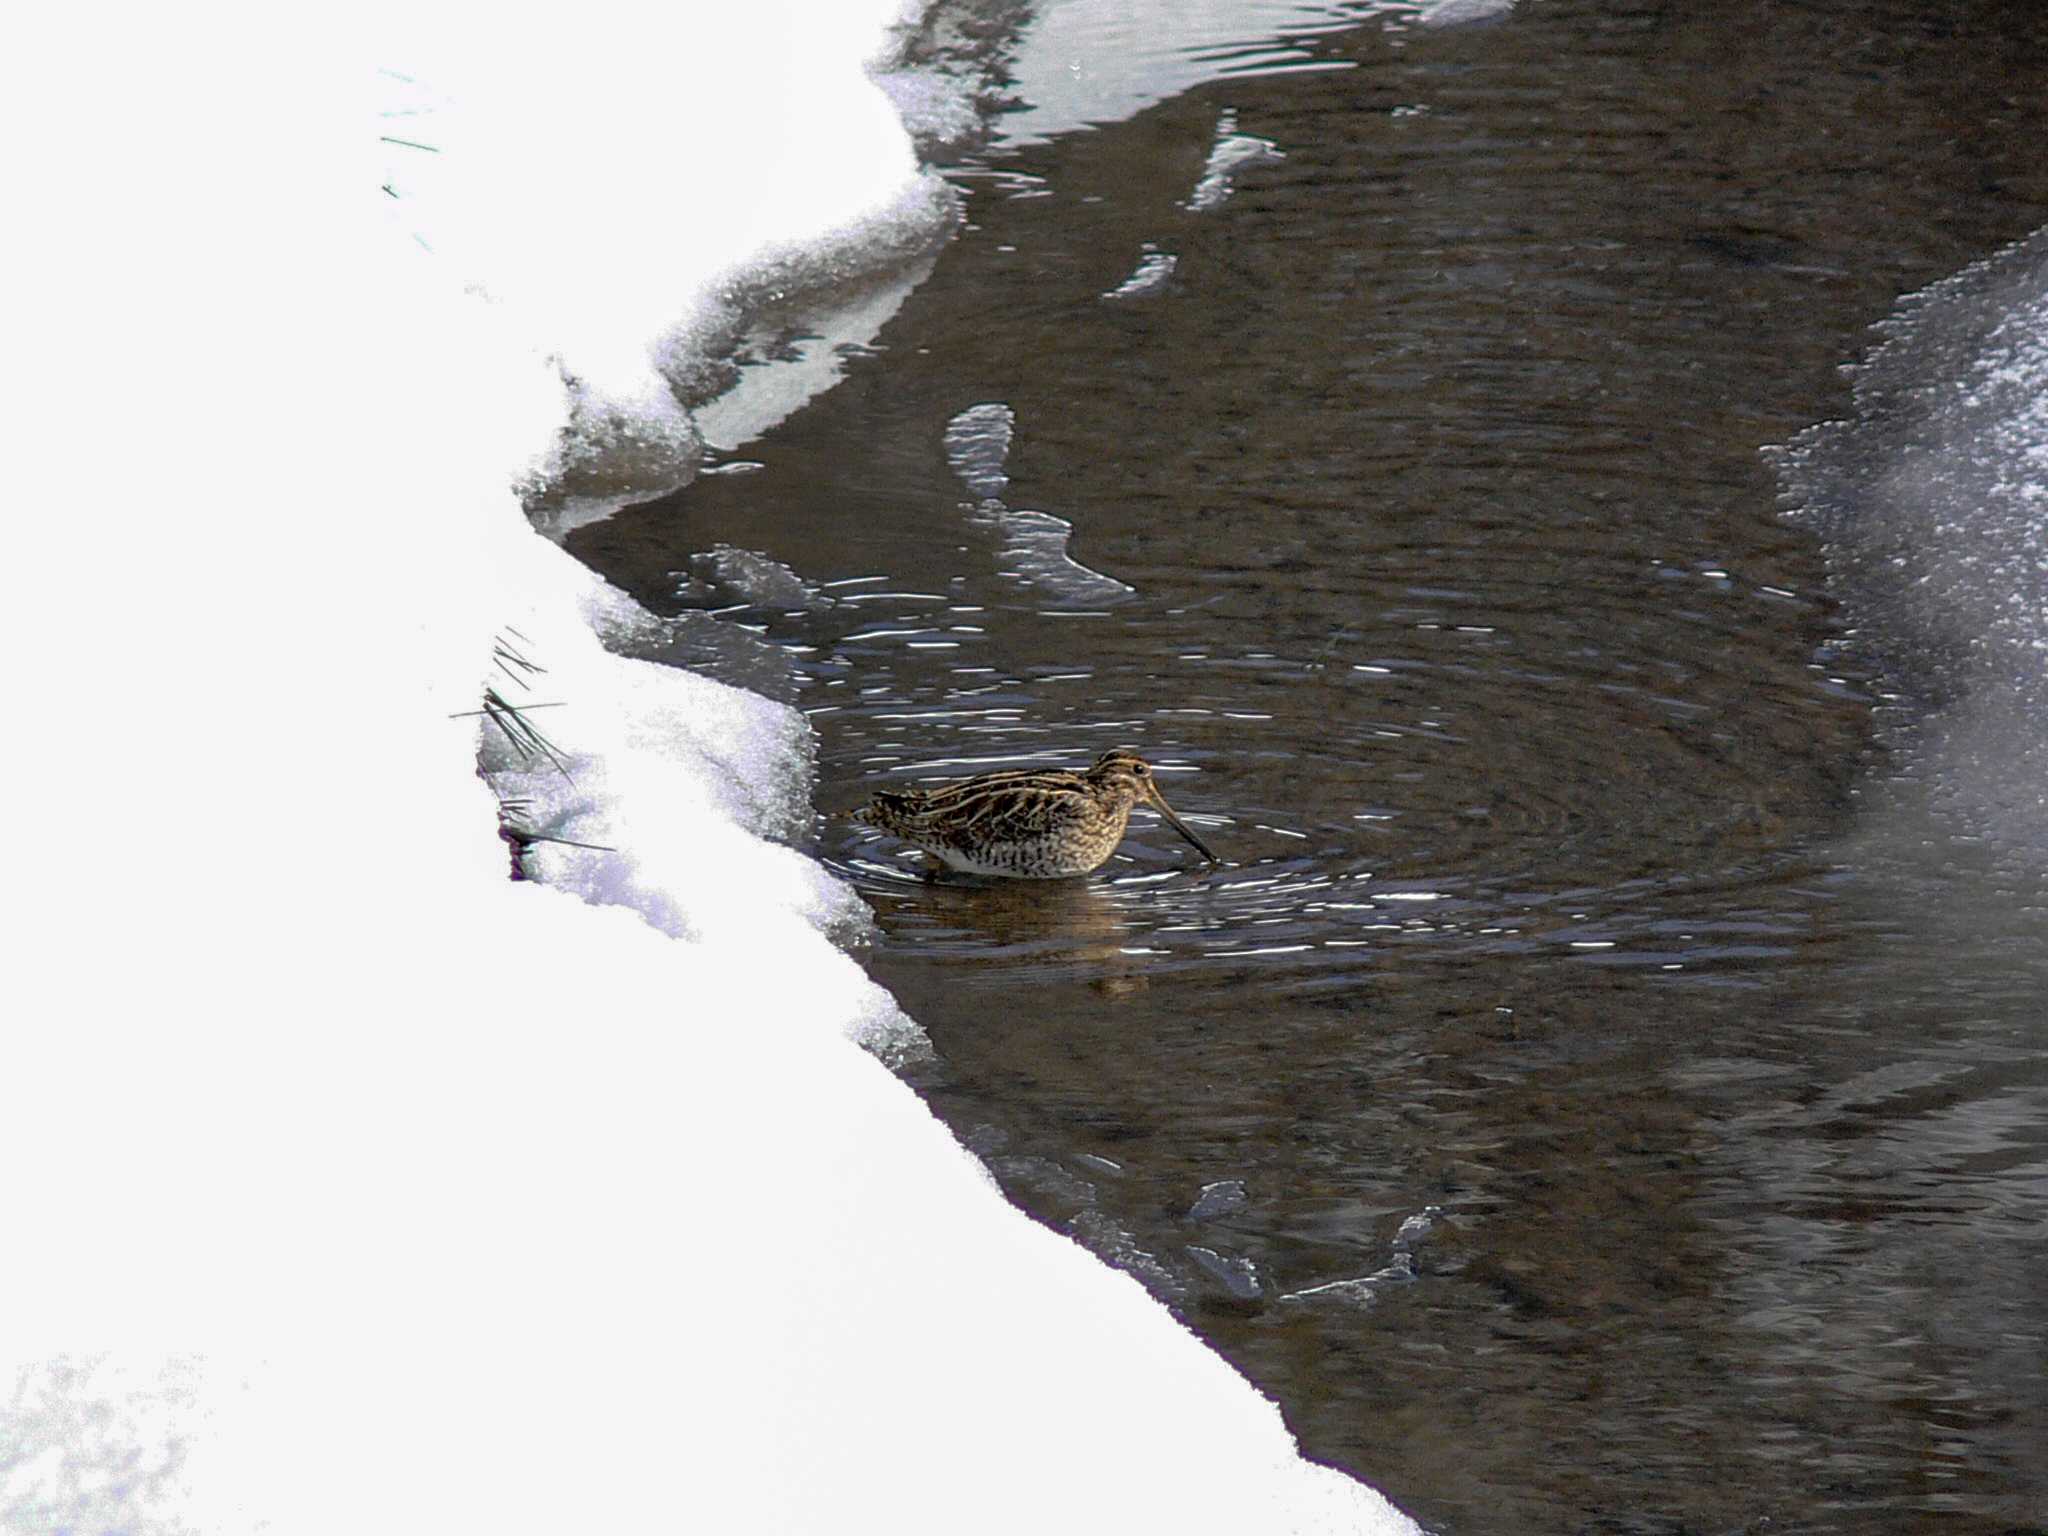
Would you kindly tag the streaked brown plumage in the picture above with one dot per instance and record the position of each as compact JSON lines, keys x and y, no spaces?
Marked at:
{"x":1030,"y":823}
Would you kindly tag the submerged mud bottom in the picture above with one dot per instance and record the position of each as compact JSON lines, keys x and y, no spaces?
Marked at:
{"x":1555,"y":1099}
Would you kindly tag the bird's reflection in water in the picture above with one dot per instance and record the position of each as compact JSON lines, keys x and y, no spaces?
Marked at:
{"x":1016,"y":929}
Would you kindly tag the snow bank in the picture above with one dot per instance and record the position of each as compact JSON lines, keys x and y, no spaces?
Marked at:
{"x":669,"y":794}
{"x":1933,"y":501}
{"x":627,"y":228}
{"x":473,"y":1205}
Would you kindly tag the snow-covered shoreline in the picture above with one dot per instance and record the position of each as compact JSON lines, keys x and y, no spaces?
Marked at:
{"x":478,"y":1205}
{"x":1932,"y":500}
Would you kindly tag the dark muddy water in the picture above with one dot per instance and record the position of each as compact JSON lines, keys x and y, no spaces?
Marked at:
{"x":1564,"y":1099}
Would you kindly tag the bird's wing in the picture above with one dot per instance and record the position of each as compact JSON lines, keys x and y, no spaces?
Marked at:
{"x":1001,"y":811}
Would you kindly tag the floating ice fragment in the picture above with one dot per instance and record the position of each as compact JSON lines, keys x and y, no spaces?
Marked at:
{"x":723,"y":575}
{"x":1034,"y":553}
{"x":1363,"y":1291}
{"x":977,"y":445}
{"x":1463,"y":13}
{"x":1033,"y":547}
{"x":1148,"y":277}
{"x":1415,"y":1228}
{"x":1238,"y":1276}
{"x":1230,"y":154}
{"x":1222,"y":1198}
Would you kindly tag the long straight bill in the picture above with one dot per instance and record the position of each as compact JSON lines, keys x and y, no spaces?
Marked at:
{"x":1158,"y":802}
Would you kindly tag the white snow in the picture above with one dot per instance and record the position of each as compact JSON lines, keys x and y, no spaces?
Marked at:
{"x":368,"y":1190}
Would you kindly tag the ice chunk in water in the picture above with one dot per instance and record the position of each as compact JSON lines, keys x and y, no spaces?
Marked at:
{"x":1033,"y":545}
{"x":1034,"y":553}
{"x":1231,"y":153}
{"x":1414,"y":1229}
{"x":1221,"y":1198}
{"x":1150,"y":275}
{"x":1462,"y":13}
{"x":1363,"y":1291}
{"x":978,"y":444}
{"x":1238,"y":1276}
{"x":723,"y":576}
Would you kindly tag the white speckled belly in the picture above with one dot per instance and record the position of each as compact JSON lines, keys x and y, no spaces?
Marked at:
{"x":1015,"y":861}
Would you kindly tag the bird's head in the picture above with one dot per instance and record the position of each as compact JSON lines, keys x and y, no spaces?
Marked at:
{"x":1129,"y":777}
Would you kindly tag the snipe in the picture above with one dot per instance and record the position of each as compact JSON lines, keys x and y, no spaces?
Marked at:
{"x":1030,"y":823}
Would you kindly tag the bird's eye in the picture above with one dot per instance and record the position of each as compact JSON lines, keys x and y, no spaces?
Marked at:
{"x":1143,"y":770}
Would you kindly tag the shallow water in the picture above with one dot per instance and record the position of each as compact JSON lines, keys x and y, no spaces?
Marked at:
{"x":1588,"y":1096}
